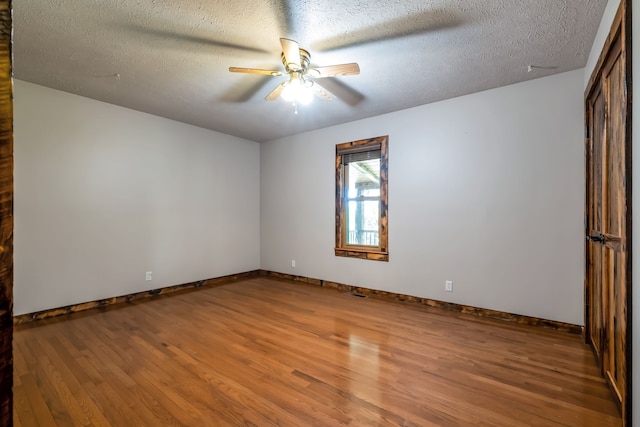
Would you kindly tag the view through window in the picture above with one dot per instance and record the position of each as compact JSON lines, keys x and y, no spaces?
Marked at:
{"x":362,"y":185}
{"x":361,"y":205}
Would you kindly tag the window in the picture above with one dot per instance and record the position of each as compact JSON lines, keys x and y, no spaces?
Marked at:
{"x":361,"y":199}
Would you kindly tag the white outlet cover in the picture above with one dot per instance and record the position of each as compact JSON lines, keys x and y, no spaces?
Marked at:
{"x":448,"y":286}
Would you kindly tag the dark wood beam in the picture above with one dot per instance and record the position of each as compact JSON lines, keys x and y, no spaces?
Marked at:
{"x":6,"y":217}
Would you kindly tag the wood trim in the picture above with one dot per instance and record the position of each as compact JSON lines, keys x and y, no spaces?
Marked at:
{"x":467,"y":309}
{"x":358,"y":146}
{"x":381,"y":252}
{"x":45,"y":314}
{"x":627,"y":51}
{"x":614,"y":32}
{"x":6,"y":217}
{"x":481,"y":312}
{"x":362,"y":254}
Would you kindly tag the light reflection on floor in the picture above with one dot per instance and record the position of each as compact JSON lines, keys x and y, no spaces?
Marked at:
{"x":364,"y":367}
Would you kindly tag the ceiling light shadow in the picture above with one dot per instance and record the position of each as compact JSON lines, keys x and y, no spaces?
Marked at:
{"x":247,"y":89}
{"x":346,"y":93}
{"x":413,"y":25}
{"x":189,"y":38}
{"x":288,"y":18}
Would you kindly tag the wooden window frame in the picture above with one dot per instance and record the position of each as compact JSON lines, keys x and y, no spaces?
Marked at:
{"x":381,"y":252}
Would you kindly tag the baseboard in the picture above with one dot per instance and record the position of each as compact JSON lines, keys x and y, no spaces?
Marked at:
{"x":481,"y":312}
{"x":53,"y":312}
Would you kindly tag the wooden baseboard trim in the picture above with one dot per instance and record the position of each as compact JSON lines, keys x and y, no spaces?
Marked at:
{"x":481,"y":312}
{"x":53,"y":312}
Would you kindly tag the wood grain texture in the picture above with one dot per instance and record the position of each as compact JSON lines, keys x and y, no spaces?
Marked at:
{"x":6,"y":216}
{"x":392,"y":296}
{"x":350,"y":69}
{"x":272,"y":352}
{"x":54,"y":312}
{"x":608,"y":212}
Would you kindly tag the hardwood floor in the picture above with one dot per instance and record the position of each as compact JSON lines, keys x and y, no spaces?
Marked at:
{"x":267,"y":352}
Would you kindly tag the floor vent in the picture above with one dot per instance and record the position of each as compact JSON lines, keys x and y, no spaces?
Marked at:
{"x":355,"y":294}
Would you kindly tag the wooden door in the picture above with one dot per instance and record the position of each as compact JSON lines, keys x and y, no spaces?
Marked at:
{"x":607,"y":214}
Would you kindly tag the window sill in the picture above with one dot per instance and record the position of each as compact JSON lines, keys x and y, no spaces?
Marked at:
{"x":372,"y":255}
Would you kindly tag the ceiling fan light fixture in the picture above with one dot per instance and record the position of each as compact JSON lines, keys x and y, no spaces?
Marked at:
{"x":297,"y":90}
{"x":305,"y":95}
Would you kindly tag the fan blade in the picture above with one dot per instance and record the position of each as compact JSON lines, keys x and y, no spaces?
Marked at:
{"x":321,"y":92}
{"x":291,"y":52}
{"x":255,"y":71}
{"x":274,"y":94}
{"x":351,"y":69}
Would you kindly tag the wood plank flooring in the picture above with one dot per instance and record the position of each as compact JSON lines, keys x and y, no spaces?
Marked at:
{"x":266,"y":352}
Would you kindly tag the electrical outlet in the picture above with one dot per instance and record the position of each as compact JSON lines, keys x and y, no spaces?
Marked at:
{"x":148,"y":276}
{"x":293,"y":263}
{"x":448,"y":286}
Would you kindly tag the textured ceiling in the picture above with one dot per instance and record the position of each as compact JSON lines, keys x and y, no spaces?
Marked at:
{"x":171,"y":58}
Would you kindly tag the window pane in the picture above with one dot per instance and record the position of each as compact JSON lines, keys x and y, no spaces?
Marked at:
{"x":363,"y":177}
{"x":362,"y":222}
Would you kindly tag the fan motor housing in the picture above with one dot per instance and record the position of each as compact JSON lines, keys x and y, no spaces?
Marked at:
{"x":305,"y":58}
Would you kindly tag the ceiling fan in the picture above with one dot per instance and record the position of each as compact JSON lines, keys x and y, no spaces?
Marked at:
{"x":300,"y":87}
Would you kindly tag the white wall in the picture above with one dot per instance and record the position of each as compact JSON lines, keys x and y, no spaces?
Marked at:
{"x":485,"y":190}
{"x":104,"y":194}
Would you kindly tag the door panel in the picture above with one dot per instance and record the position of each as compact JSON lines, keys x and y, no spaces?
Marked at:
{"x":607,"y":209}
{"x":615,"y":224}
{"x":595,"y":292}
